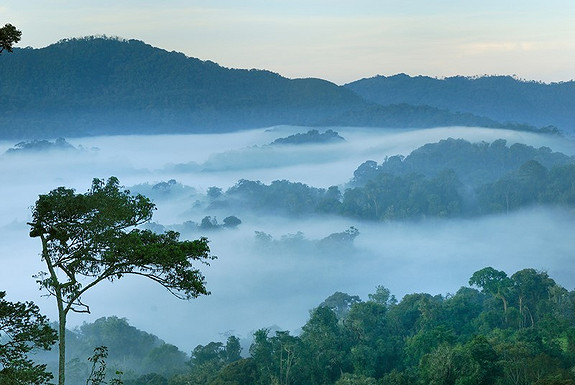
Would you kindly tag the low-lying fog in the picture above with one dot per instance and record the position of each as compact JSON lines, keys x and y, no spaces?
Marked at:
{"x":256,"y":286}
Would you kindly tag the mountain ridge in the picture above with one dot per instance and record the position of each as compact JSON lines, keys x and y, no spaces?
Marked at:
{"x":500,"y":97}
{"x":100,"y":86}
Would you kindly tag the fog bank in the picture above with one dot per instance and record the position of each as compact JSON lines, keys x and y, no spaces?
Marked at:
{"x":255,"y":285}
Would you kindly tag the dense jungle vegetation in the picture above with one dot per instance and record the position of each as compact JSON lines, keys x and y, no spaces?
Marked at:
{"x":451,"y":178}
{"x":517,"y":329}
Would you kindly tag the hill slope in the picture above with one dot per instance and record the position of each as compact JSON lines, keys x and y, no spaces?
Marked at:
{"x":502,"y":98}
{"x":95,"y":84}
{"x":100,"y":86}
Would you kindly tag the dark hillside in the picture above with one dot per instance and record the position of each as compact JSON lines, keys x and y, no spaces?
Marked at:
{"x":101,"y":85}
{"x":502,"y":98}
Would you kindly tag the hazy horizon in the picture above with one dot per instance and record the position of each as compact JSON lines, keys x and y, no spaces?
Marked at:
{"x":338,"y":41}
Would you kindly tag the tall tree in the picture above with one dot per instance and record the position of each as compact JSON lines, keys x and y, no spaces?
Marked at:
{"x":92,"y":237}
{"x":326,"y":348}
{"x":22,"y":329}
{"x":494,"y":282}
{"x":9,"y":35}
{"x":340,"y":303}
{"x":532,"y":290}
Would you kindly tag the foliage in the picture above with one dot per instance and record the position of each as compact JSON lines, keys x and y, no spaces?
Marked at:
{"x":281,"y":196}
{"x":40,"y":146}
{"x":92,"y":237}
{"x":129,"y":350}
{"x":532,"y":184}
{"x":389,"y":197}
{"x":461,"y":339}
{"x":424,"y":339}
{"x":232,"y":221}
{"x":312,"y":136}
{"x":98,"y":371}
{"x":240,"y":372}
{"x":165,"y":360}
{"x":475,"y":164}
{"x":211,"y":223}
{"x":451,"y":178}
{"x":170,"y":189}
{"x":9,"y":35}
{"x":22,"y":330}
{"x":338,"y":244}
{"x":217,"y":363}
{"x":340,"y":303}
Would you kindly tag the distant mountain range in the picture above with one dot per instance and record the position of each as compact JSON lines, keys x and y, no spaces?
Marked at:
{"x":99,"y":86}
{"x":502,"y":98}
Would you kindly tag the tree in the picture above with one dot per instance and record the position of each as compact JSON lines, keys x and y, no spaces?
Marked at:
{"x":214,"y":351}
{"x":487,"y":365}
{"x":375,"y":348}
{"x":340,"y":303}
{"x":92,"y":237}
{"x":287,"y":352}
{"x":22,"y":329}
{"x":532,"y":290}
{"x":233,"y":349}
{"x":355,"y":379}
{"x":382,"y":296}
{"x":326,"y":348}
{"x":494,"y":282}
{"x":209,"y":223}
{"x":241,"y":372}
{"x":9,"y":36}
{"x":442,"y":366}
{"x":98,"y":371}
{"x":261,"y":351}
{"x":232,"y":221}
{"x":214,"y":192}
{"x":277,"y":358}
{"x":165,"y":360}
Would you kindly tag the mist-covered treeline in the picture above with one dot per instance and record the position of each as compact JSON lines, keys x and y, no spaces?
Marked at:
{"x":312,"y":136}
{"x":450,"y":178}
{"x":474,"y":163}
{"x":517,"y":329}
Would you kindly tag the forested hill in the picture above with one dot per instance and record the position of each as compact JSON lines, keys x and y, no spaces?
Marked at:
{"x":100,"y":85}
{"x":94,"y":84}
{"x":502,"y":98}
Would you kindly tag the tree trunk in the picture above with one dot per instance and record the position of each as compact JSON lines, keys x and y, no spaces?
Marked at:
{"x":504,"y":307}
{"x":61,"y":344}
{"x":521,"y":315}
{"x":61,"y":314}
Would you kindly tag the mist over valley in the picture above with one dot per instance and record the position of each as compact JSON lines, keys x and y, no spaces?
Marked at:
{"x":274,"y":267}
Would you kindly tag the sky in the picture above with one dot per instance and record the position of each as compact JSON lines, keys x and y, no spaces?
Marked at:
{"x":337,"y":40}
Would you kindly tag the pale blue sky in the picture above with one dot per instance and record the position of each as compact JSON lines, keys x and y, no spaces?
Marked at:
{"x":337,"y":40}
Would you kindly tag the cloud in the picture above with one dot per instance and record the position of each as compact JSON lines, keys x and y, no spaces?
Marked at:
{"x":510,"y":46}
